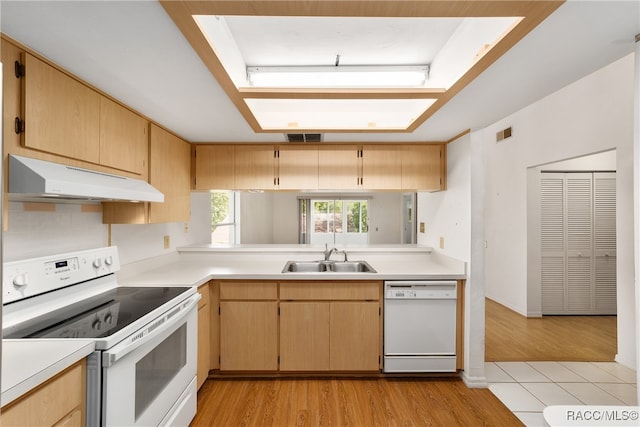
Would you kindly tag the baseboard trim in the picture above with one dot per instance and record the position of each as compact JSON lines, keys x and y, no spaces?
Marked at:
{"x":474,"y":382}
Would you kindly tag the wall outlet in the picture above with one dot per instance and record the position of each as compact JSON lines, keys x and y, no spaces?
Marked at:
{"x":186,"y":227}
{"x":441,"y":242}
{"x":422,"y":227}
{"x":167,"y":242}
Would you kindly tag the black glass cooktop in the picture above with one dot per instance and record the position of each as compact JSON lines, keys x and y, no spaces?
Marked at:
{"x":98,"y":316}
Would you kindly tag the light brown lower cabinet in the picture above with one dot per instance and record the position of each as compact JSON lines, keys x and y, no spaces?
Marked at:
{"x":248,"y":335}
{"x":304,"y":326}
{"x":58,"y":402}
{"x":329,"y":336}
{"x":354,"y":339}
{"x":304,"y":336}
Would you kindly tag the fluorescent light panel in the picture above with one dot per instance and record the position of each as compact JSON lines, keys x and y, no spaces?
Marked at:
{"x":379,"y":76}
{"x":341,"y":114}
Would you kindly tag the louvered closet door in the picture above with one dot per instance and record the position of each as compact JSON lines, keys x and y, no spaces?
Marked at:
{"x":605,"y":243}
{"x":578,"y":238}
{"x":579,"y":198}
{"x":553,"y":232}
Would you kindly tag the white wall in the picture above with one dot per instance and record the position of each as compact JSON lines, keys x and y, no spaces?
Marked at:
{"x":256,"y":217}
{"x":589,"y":116}
{"x":68,"y":228}
{"x":457,"y":216}
{"x":385,"y":218}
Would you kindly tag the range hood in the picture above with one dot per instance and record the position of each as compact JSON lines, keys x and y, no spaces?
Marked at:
{"x":47,"y":181}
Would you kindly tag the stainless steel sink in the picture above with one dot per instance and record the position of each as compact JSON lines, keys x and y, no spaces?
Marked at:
{"x":328,"y":267}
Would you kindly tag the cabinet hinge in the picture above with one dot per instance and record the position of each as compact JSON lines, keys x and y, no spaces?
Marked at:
{"x":278,"y":360}
{"x":218,"y":311}
{"x":18,"y":125}
{"x":278,"y":311}
{"x":379,"y":311}
{"x":19,"y":69}
{"x":219,"y":359}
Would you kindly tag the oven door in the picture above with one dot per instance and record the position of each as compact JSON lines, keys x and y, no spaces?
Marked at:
{"x":151,"y":381}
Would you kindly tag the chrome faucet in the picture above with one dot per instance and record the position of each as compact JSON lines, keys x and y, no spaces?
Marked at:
{"x":328,"y":252}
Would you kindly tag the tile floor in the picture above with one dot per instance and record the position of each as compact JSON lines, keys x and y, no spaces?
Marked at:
{"x":527,"y":387}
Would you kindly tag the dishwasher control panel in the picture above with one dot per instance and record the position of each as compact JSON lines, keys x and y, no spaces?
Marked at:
{"x":420,"y":290}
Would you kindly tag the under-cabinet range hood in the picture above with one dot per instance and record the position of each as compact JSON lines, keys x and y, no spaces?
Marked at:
{"x":47,"y":181}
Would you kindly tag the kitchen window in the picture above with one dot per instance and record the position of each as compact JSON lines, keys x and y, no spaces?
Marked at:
{"x":224,"y":217}
{"x":333,"y":221}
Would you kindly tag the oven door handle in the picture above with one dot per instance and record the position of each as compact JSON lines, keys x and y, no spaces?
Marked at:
{"x":159,"y":327}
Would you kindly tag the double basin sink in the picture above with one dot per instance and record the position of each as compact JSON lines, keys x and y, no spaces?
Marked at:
{"x":328,"y":267}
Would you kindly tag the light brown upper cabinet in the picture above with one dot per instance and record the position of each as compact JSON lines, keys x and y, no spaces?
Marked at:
{"x":381,"y":167}
{"x":338,"y":167}
{"x":424,"y":167}
{"x":297,"y":167}
{"x":63,"y":116}
{"x":214,"y":167}
{"x":255,"y":167}
{"x":124,"y":143}
{"x":60,"y":115}
{"x":170,"y":173}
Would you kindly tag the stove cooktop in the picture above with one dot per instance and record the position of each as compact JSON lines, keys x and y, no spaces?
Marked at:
{"x":99,"y":316}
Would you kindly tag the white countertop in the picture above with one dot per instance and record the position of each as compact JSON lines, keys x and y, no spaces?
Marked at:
{"x":30,"y":362}
{"x":196,"y":265}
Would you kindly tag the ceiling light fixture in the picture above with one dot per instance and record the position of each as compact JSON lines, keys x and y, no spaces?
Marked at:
{"x":343,"y":76}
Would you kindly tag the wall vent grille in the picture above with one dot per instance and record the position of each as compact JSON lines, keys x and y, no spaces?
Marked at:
{"x":304,"y":137}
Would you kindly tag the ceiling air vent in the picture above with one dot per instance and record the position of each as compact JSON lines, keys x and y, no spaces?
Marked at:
{"x":304,"y":137}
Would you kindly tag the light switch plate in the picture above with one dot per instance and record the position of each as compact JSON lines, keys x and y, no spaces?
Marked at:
{"x":422,"y":227}
{"x":167,"y":242}
{"x":441,"y":242}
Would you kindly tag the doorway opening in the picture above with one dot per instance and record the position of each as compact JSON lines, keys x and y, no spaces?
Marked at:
{"x":551,"y":334}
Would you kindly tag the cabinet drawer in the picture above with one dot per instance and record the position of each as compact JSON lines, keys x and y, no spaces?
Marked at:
{"x":369,"y":291}
{"x":249,"y":290}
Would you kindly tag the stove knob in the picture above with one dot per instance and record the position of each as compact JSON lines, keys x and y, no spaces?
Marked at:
{"x":96,"y":324}
{"x":108,"y":260}
{"x":97,"y":263}
{"x":108,"y":318}
{"x":21,"y":280}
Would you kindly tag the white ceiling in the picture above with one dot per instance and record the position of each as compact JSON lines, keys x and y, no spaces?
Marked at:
{"x":133,"y":51}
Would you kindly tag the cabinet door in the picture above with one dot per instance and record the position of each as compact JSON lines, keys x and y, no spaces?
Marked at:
{"x":255,"y":167}
{"x":170,"y":173}
{"x":248,"y":335}
{"x":338,"y":167}
{"x":355,"y":336}
{"x":124,"y":142}
{"x":423,"y":167}
{"x":62,"y":116}
{"x":304,"y":336}
{"x":381,"y":167}
{"x":214,"y":167}
{"x":298,"y":167}
{"x":204,"y":331}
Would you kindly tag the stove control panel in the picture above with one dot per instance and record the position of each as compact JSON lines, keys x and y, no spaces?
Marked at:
{"x":30,"y":277}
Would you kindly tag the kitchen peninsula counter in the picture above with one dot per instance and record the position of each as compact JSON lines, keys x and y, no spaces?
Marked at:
{"x":196,"y":265}
{"x":27,"y":363}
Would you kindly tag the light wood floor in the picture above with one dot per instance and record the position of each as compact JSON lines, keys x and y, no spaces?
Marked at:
{"x":348,"y":402}
{"x":509,"y":336}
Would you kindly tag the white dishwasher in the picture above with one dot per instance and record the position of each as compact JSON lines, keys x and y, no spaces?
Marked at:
{"x":420,"y":326}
